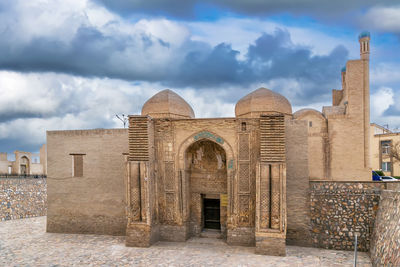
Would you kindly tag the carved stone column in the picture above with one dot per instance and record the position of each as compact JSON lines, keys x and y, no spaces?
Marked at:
{"x":271,"y":187}
{"x":142,"y":228}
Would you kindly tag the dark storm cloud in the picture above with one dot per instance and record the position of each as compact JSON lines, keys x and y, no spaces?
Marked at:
{"x":295,"y":62}
{"x":272,"y":56}
{"x":90,"y":53}
{"x":203,"y":68}
{"x":155,"y":7}
{"x":10,"y":115}
{"x":187,"y":8}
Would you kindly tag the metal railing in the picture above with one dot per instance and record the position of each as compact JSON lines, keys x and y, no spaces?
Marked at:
{"x":23,"y":176}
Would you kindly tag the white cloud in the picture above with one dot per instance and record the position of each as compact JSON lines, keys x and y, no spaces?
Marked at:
{"x":31,"y":103}
{"x":45,"y":18}
{"x":382,"y":18}
{"x":150,"y":45}
{"x":64,"y":102}
{"x":210,"y":104}
{"x":384,"y":73}
{"x":381,"y":101}
{"x":169,"y":31}
{"x":49,"y":101}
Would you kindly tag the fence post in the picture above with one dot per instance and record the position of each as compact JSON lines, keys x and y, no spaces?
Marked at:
{"x":355,"y":250}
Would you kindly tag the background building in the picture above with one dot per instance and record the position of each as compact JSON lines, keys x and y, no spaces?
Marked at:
{"x":25,"y":163}
{"x":382,"y":142}
{"x":338,"y":138}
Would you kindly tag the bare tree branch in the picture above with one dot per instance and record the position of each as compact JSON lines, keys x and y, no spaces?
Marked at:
{"x":394,"y":151}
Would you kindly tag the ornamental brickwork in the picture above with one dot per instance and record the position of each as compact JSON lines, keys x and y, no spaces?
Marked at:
{"x":195,"y":160}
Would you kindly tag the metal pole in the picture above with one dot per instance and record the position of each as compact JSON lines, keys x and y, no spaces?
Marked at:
{"x":355,"y":251}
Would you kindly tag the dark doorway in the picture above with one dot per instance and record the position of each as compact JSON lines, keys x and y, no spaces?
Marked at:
{"x":211,"y":208}
{"x":23,"y":169}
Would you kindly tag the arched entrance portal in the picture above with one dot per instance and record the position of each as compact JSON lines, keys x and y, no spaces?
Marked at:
{"x":24,"y":165}
{"x":206,"y":171}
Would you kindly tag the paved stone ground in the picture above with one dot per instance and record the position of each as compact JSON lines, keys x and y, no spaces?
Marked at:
{"x":24,"y":242}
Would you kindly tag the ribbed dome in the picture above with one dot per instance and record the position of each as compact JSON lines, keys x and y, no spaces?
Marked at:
{"x":262,"y":101}
{"x":167,"y":104}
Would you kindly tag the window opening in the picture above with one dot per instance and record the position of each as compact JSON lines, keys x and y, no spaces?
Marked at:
{"x":244,"y":126}
{"x":77,"y":165}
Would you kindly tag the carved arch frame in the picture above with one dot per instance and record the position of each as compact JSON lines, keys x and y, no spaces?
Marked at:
{"x":183,"y":178}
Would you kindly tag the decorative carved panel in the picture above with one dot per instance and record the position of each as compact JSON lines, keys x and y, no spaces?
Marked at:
{"x":244,"y":147}
{"x":275,"y":196}
{"x":135,"y":200}
{"x":169,"y":179}
{"x":272,"y":138}
{"x":244,"y":210}
{"x":244,"y":175}
{"x":169,"y":207}
{"x":138,"y":138}
{"x":265,"y":195}
{"x":134,"y":191}
{"x":168,"y":150}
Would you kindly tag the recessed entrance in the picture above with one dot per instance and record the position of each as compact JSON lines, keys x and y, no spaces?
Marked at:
{"x":24,"y":165}
{"x":206,"y":171}
{"x":211,"y":210}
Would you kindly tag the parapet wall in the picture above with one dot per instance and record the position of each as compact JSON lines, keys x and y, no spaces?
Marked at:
{"x":385,"y":243}
{"x":339,"y":210}
{"x":22,"y":198}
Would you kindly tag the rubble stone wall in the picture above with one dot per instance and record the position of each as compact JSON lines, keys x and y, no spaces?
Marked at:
{"x":22,"y":198}
{"x":385,"y":243}
{"x":339,"y":210}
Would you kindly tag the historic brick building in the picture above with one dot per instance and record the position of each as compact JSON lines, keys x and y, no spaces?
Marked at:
{"x":170,"y":176}
{"x":25,"y":163}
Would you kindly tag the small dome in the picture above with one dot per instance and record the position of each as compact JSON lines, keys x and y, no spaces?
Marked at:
{"x":167,"y":104}
{"x":364,"y":34}
{"x":305,"y":112}
{"x":262,"y":101}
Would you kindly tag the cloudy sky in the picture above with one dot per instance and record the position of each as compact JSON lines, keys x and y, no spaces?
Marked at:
{"x":74,"y":64}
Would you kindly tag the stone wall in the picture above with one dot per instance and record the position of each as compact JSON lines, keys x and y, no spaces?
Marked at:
{"x":339,"y":210}
{"x":22,"y":198}
{"x":298,"y":186}
{"x":385,"y":243}
{"x":95,"y":201}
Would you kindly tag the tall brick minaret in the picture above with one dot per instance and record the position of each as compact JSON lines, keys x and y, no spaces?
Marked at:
{"x":364,"y":39}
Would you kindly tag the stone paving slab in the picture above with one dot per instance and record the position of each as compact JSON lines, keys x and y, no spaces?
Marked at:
{"x":24,"y":242}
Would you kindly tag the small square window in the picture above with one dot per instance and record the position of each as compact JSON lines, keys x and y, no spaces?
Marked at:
{"x":244,"y":126}
{"x":310,"y":123}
